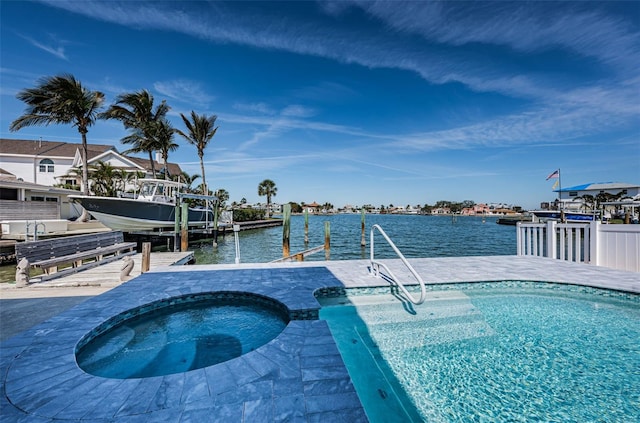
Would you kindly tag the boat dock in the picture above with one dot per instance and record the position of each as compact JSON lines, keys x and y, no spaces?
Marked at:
{"x":98,"y":279}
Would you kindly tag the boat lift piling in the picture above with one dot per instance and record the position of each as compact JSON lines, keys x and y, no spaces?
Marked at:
{"x":181,"y":223}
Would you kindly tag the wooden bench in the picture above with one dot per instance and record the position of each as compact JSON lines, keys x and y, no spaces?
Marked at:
{"x":81,"y":251}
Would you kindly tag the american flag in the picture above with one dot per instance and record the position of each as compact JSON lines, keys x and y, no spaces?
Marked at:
{"x":555,"y":174}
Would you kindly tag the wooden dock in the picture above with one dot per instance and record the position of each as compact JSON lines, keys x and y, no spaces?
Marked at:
{"x":107,"y":275}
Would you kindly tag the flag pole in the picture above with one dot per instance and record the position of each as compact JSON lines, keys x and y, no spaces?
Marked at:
{"x":563,"y":219}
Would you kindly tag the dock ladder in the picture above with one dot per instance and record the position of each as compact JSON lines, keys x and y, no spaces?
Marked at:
{"x":376,"y":265}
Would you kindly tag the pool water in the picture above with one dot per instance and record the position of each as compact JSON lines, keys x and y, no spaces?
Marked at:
{"x":179,"y":338}
{"x":492,"y":354}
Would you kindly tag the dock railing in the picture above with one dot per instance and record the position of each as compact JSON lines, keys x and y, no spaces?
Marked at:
{"x":610,"y":245}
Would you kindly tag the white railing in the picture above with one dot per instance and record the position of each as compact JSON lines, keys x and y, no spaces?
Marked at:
{"x":375,"y":267}
{"x":615,"y":246}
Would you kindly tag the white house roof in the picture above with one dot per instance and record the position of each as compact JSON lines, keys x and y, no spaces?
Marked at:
{"x":598,"y":186}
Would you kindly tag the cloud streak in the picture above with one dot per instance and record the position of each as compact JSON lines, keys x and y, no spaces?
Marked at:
{"x":55,"y":51}
{"x":411,"y":37}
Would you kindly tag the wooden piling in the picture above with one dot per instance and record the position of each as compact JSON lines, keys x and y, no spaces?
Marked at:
{"x":184,"y":231}
{"x":362,"y":239}
{"x":286,"y":229}
{"x":327,"y":240}
{"x":146,"y":257}
{"x":306,"y":226}
{"x":176,"y":225}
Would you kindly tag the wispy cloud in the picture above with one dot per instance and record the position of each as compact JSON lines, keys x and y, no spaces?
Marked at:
{"x":57,"y":51}
{"x":184,"y":90}
{"x":555,"y":113}
{"x":522,"y":27}
{"x":526,"y":27}
{"x":260,"y":108}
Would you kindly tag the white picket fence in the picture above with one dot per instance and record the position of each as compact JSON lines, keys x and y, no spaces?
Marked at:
{"x":615,"y":246}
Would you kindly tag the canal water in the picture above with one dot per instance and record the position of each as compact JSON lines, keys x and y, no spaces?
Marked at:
{"x":415,"y":236}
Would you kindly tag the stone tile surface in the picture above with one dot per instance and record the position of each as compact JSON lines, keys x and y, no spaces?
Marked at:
{"x":299,"y":376}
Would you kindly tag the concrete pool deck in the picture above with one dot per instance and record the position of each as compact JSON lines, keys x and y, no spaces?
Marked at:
{"x":299,"y":376}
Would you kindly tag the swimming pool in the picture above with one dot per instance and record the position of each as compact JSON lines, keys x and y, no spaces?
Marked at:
{"x":500,"y":351}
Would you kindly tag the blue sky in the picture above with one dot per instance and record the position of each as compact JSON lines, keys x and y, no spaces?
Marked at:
{"x":355,"y":102}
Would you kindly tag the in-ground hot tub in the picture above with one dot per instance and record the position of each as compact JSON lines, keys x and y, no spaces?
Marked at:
{"x":180,"y":334}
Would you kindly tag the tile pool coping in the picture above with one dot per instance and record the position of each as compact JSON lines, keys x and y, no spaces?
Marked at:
{"x":299,"y":376}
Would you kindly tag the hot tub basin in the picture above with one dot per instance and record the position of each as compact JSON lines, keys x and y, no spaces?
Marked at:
{"x":180,"y":334}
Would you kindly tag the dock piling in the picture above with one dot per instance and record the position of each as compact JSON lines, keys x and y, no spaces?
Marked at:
{"x":362,"y":237}
{"x":327,"y":240}
{"x":286,"y":229}
{"x":146,"y":257}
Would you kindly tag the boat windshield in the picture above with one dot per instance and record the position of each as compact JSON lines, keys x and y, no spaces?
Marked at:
{"x":147,"y":190}
{"x":154,"y":190}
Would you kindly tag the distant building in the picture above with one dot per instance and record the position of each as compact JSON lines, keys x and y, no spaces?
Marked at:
{"x":313,"y":208}
{"x":583,"y":197}
{"x":593,"y":189}
{"x":477,"y":209}
{"x":441,"y":210}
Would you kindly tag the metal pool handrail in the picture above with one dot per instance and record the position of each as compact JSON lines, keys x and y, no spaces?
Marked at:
{"x":375,"y":267}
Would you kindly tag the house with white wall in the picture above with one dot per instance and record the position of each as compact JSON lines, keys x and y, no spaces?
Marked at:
{"x":52,"y":162}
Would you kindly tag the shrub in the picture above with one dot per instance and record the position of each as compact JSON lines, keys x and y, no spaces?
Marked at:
{"x":247,"y":215}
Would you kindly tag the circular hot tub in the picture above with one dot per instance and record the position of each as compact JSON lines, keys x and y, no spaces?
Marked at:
{"x":181,"y":334}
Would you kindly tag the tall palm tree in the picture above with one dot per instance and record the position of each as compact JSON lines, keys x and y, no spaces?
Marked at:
{"x":268,"y":188}
{"x":62,"y":99}
{"x":200,"y":130}
{"x":163,"y":134}
{"x":137,"y":114}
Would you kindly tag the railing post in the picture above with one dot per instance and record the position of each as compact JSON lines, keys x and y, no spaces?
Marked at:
{"x":236,"y":229}
{"x":594,"y":235}
{"x":519,"y":230}
{"x":551,"y":239}
{"x":586,"y":243}
{"x":570,"y":250}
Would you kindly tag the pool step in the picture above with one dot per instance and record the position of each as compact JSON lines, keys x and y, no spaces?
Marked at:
{"x":416,"y":335}
{"x":444,"y":317}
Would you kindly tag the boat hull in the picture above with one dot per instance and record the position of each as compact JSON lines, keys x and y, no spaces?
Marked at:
{"x":568,"y":216}
{"x":132,"y":215}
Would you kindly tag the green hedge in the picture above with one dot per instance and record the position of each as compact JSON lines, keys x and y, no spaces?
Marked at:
{"x":247,"y":215}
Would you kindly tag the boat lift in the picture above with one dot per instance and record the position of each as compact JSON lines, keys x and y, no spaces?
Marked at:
{"x":181,"y":225}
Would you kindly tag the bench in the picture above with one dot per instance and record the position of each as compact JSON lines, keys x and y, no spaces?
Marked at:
{"x":81,"y":251}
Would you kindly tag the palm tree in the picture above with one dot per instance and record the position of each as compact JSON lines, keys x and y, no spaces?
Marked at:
{"x":62,"y":100}
{"x":163,"y":134}
{"x":268,"y":188}
{"x":137,"y":114}
{"x":105,"y":179}
{"x":186,"y":179}
{"x":200,"y":130}
{"x":223,"y":196}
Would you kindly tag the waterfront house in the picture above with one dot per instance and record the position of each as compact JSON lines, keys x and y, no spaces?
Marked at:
{"x":52,"y":163}
{"x":476,"y":210}
{"x":312,"y":208}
